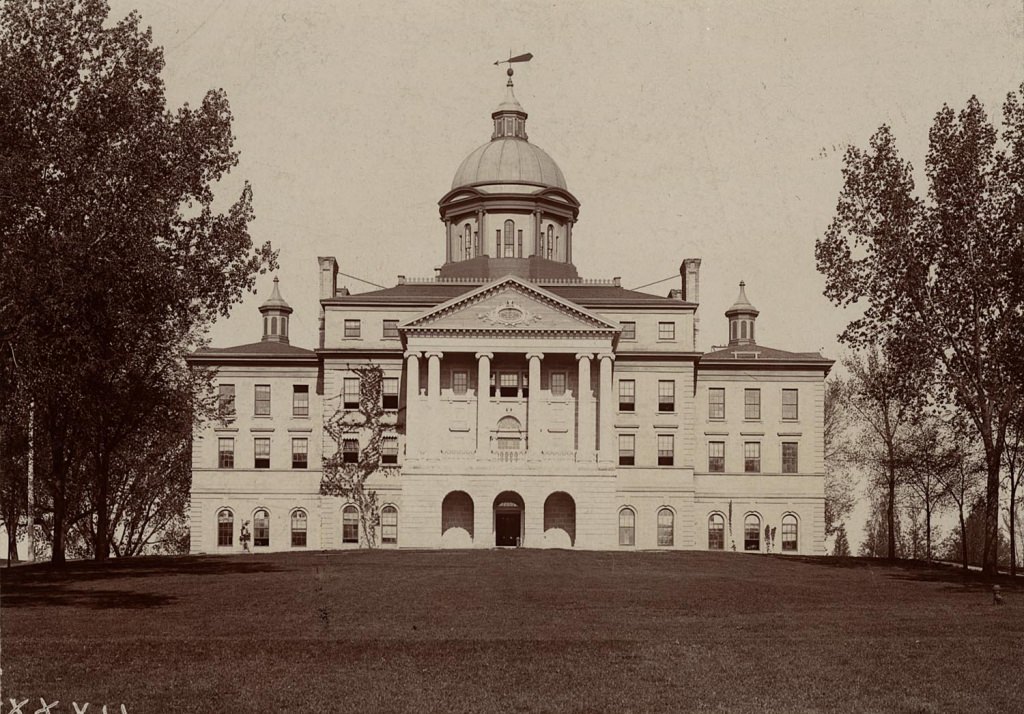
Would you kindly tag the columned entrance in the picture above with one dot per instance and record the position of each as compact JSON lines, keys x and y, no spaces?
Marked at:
{"x":508,"y":519}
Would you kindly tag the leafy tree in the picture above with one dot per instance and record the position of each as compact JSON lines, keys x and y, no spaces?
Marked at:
{"x":883,"y":536}
{"x":367,"y":423}
{"x":941,"y":278}
{"x":883,"y":402}
{"x":928,"y":459}
{"x":1013,"y":458}
{"x":963,"y":482}
{"x":115,"y":261}
{"x":841,"y":546}
{"x":839,"y":496}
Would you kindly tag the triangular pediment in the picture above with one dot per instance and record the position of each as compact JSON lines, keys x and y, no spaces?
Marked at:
{"x":510,"y":304}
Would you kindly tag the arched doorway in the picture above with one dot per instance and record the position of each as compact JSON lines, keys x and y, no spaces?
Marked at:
{"x":508,"y":519}
{"x":560,"y":520}
{"x":457,"y":520}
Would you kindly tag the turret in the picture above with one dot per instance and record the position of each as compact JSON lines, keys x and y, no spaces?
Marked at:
{"x":741,"y":319}
{"x":275,"y":313}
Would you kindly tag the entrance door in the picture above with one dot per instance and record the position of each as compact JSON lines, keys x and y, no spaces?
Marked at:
{"x":507,"y":528}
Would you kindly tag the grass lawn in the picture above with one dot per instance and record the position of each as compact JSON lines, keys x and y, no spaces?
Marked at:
{"x":511,"y":630}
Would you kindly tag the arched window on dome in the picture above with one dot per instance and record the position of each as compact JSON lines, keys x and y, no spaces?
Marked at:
{"x":469,"y":240}
{"x":743,"y":329}
{"x":510,"y":236}
{"x":476,"y":242}
{"x":551,"y":241}
{"x":519,"y":244}
{"x":273,"y":325}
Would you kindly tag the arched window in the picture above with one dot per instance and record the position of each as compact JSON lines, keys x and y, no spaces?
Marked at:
{"x":510,"y":434}
{"x":299,"y":521}
{"x":476,"y":242}
{"x":284,"y":326}
{"x":732,"y":325}
{"x":627,"y":527}
{"x":225,"y":528}
{"x":349,"y":525}
{"x":510,"y":239}
{"x":789,"y":531}
{"x":666,"y":527}
{"x":469,"y":241}
{"x":751,"y":532}
{"x":551,"y":241}
{"x":743,"y":329}
{"x":389,"y":524}
{"x":716,"y":532}
{"x":273,"y":325}
{"x":261,"y":529}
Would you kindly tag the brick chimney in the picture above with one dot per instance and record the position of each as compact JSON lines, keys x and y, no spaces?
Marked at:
{"x":328,"y":287}
{"x":689,"y":272}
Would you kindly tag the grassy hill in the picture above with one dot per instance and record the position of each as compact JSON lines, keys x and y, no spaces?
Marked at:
{"x":508,"y":631}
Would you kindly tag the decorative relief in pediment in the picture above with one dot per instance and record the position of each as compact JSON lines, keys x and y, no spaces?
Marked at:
{"x":510,"y":314}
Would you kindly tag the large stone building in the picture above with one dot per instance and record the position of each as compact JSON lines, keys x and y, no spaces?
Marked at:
{"x":530,"y":406}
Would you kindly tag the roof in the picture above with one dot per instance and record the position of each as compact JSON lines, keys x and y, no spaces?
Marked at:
{"x":257,"y":350}
{"x":742,"y":304}
{"x":435,"y":293}
{"x":509,"y":159}
{"x":757,"y":354}
{"x":275,"y":301}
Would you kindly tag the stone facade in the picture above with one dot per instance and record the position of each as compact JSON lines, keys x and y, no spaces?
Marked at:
{"x":531,"y":407}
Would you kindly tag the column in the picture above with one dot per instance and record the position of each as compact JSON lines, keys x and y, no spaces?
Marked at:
{"x":448,"y":249}
{"x":483,"y":233}
{"x":435,"y":436}
{"x":606,"y":407}
{"x":483,"y":402}
{"x":584,"y":397}
{"x":533,"y":406}
{"x":568,"y":242}
{"x":413,"y":430}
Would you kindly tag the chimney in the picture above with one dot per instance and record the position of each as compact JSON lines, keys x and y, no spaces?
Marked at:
{"x":689,"y":271}
{"x":328,"y":276}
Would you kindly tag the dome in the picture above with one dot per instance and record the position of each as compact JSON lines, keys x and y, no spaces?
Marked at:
{"x":507,"y":160}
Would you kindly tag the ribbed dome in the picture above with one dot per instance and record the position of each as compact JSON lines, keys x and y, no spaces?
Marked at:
{"x":509,"y":159}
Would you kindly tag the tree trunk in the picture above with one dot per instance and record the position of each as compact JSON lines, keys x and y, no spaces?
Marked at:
{"x":59,"y":461}
{"x":963,"y":538}
{"x":1013,"y":524}
{"x":927,"y":533}
{"x":12,"y":541}
{"x":890,"y":515}
{"x":101,"y":539}
{"x":990,"y":554}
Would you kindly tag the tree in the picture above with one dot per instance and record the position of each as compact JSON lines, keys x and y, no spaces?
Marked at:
{"x":884,"y":401}
{"x":346,"y":477}
{"x":963,"y":482}
{"x":941,"y":279}
{"x":841,"y":547}
{"x":883,"y":538}
{"x":927,"y":460}
{"x":839,"y":497}
{"x":115,"y":261}
{"x":1013,"y":458}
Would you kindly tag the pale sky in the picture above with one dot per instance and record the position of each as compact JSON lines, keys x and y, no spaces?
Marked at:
{"x":685,"y":129}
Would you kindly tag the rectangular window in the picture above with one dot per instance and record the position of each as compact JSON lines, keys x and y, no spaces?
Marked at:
{"x":300,"y":400}
{"x":350,"y":397}
{"x":716,"y":457}
{"x":262,"y":400}
{"x":628,"y":330}
{"x":716,"y":403}
{"x":390,"y":329}
{"x":389,"y":525}
{"x":790,"y":404}
{"x":752,"y":457}
{"x":353,"y":328}
{"x":558,"y":384}
{"x":789,"y":457}
{"x":226,"y":399}
{"x":389,"y":393}
{"x":666,"y":449}
{"x":350,"y":451}
{"x":226,"y":453}
{"x":300,"y":453}
{"x":225,"y":528}
{"x":666,"y":330}
{"x":666,"y":395}
{"x":627,"y":395}
{"x":627,"y":450}
{"x":261,"y":449}
{"x":389,"y":450}
{"x":508,"y":384}
{"x":460,"y":381}
{"x":752,"y":404}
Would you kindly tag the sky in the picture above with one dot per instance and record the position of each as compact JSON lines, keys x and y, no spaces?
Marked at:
{"x":685,"y":129}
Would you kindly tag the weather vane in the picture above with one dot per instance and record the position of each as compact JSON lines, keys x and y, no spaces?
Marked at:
{"x":518,"y":58}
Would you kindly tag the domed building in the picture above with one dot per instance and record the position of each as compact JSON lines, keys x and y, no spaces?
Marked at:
{"x":514,"y":403}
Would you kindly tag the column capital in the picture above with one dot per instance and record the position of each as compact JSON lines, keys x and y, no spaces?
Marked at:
{"x":434,"y":353}
{"x":585,"y":355}
{"x":531,"y":355}
{"x":482,"y":355}
{"x":412,"y":353}
{"x":606,"y":355}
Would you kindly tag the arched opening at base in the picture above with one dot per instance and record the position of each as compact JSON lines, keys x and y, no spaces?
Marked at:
{"x":508,"y":519}
{"x":457,"y":520}
{"x":559,"y":521}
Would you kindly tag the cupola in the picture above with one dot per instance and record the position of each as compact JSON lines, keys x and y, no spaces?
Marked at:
{"x":275,"y":313}
{"x":741,"y":319}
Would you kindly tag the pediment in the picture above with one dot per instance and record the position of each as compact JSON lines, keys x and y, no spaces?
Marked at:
{"x":510,"y":305}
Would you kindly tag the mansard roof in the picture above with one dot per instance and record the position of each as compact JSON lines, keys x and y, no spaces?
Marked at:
{"x":588,"y":294}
